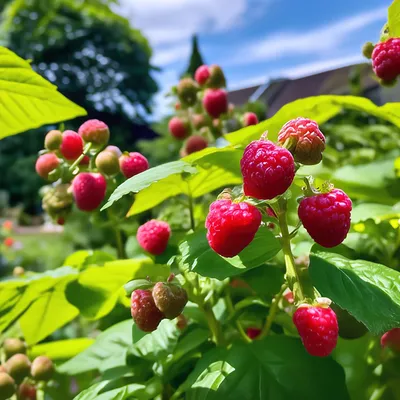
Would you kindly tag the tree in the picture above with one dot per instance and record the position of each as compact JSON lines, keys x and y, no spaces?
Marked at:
{"x":196,"y":59}
{"x":96,"y":59}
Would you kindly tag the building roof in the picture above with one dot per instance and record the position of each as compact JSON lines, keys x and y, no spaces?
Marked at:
{"x":280,"y":92}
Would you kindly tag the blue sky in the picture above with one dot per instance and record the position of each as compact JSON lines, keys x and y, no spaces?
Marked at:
{"x":255,"y":40}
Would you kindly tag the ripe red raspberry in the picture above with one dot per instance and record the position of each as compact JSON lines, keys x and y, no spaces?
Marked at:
{"x":231,"y":226}
{"x":215,"y":102}
{"x":52,"y":140}
{"x":153,"y":236}
{"x":133,"y":164}
{"x":326,"y":217}
{"x":252,"y":333}
{"x":8,"y":242}
{"x":195,"y":143}
{"x":318,"y":329}
{"x":179,"y":128}
{"x":144,"y":311}
{"x":94,"y":131}
{"x":85,"y":160}
{"x":45,"y":164}
{"x":202,"y":74}
{"x":89,"y":190}
{"x":26,"y":391}
{"x":199,"y":121}
{"x":268,"y":170}
{"x":61,"y":221}
{"x":71,"y":146}
{"x":302,"y":137}
{"x":115,"y":150}
{"x":391,"y":339}
{"x":250,"y":118}
{"x":386,"y":59}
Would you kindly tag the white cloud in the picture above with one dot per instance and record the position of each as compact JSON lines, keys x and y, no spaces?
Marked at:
{"x":314,"y":41}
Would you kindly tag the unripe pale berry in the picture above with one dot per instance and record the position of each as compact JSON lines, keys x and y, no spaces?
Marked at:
{"x":71,"y":146}
{"x":215,"y":102}
{"x":250,"y":118}
{"x":52,"y":140}
{"x":187,"y":91}
{"x":42,"y":368}
{"x":107,"y":163}
{"x":94,"y":131}
{"x":170,"y":299}
{"x":18,"y":367}
{"x":115,"y":150}
{"x":12,"y":346}
{"x":195,"y":143}
{"x":7,"y":386}
{"x":45,"y":164}
{"x":217,"y":77}
{"x":199,"y":121}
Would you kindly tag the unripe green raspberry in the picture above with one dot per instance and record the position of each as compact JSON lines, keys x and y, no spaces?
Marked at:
{"x":12,"y":346}
{"x":107,"y":163}
{"x":18,"y":367}
{"x":42,"y":368}
{"x":53,"y":140}
{"x":170,"y":299}
{"x":7,"y":386}
{"x":58,"y":201}
{"x":18,"y":271}
{"x":217,"y":78}
{"x":367,"y":50}
{"x":187,"y":91}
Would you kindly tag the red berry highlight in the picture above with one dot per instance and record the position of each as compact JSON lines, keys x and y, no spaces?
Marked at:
{"x":391,"y":339}
{"x":253,"y":333}
{"x":195,"y":143}
{"x":386,"y":59}
{"x":215,"y":102}
{"x":268,"y":170}
{"x":94,"y":131}
{"x":71,"y":146}
{"x":178,"y":128}
{"x":153,"y":236}
{"x":303,"y":138}
{"x":202,"y":74}
{"x":8,"y":242}
{"x":89,"y":190}
{"x":45,"y":164}
{"x":250,"y":118}
{"x":144,"y":311}
{"x":231,"y":226}
{"x":318,"y":329}
{"x":133,"y":164}
{"x":326,"y":217}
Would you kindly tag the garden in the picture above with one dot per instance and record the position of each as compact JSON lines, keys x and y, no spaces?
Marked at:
{"x":223,"y":255}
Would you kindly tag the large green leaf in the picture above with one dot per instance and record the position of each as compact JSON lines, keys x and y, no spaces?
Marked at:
{"x":108,"y":351}
{"x":394,"y":19}
{"x":198,"y":255}
{"x":365,"y":211}
{"x":149,"y":177}
{"x":27,"y":100}
{"x":368,"y":291}
{"x":318,"y":108}
{"x":61,"y":349}
{"x":277,"y":368}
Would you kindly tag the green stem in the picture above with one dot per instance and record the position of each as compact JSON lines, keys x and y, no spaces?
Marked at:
{"x":191,"y":209}
{"x":40,"y":395}
{"x":80,"y":158}
{"x":272,"y":313}
{"x":213,"y":324}
{"x":120,"y":244}
{"x":297,"y":284}
{"x":237,"y":322}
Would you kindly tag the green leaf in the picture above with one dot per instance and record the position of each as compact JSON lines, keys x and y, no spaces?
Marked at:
{"x":147,"y":178}
{"x":158,"y":344}
{"x":318,"y":108}
{"x":368,"y":291}
{"x":191,"y":341}
{"x":61,"y":350}
{"x":27,"y":100}
{"x":365,"y":211}
{"x":83,"y":258}
{"x":265,"y":280}
{"x":108,"y":351}
{"x":137,"y":284}
{"x":394,"y":19}
{"x":277,"y":367}
{"x":197,"y":253}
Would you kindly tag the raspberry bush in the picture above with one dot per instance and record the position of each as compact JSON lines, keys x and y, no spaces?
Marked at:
{"x":259,"y":265}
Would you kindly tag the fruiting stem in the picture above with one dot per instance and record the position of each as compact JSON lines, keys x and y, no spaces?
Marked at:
{"x":40,"y":395}
{"x":120,"y":244}
{"x":213,"y":324}
{"x":191,"y":209}
{"x":80,"y":158}
{"x":272,"y":312}
{"x":292,"y":275}
{"x":237,"y":322}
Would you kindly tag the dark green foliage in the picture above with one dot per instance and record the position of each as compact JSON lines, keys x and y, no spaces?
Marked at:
{"x":196,"y":59}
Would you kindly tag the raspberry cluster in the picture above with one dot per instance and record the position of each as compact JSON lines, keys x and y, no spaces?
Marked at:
{"x":202,"y":112}
{"x":18,"y":375}
{"x":81,"y":167}
{"x":150,"y":307}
